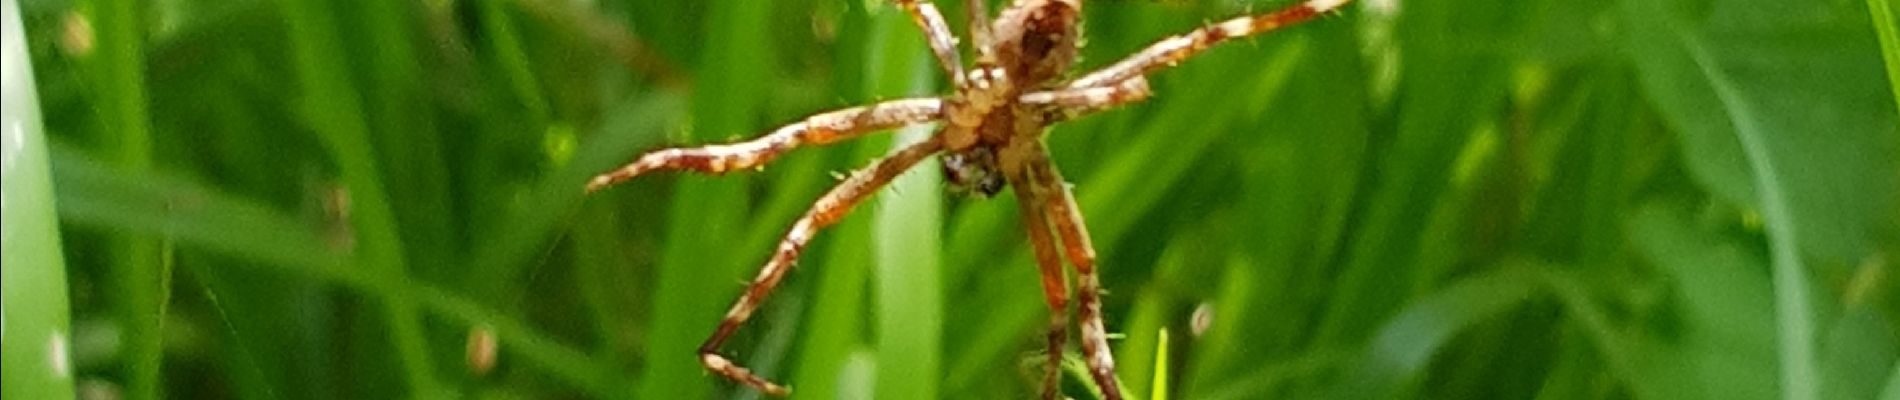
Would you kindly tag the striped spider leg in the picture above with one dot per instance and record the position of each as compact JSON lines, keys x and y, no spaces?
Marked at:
{"x":823,"y":128}
{"x":1176,"y":49}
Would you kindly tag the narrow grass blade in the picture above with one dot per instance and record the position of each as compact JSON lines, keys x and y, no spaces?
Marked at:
{"x":908,"y":228}
{"x":1881,"y":12}
{"x":139,"y":275}
{"x":700,"y":272}
{"x":332,"y":110}
{"x":1160,"y":385}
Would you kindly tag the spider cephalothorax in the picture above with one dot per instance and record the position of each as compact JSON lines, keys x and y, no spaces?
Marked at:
{"x":991,"y":136}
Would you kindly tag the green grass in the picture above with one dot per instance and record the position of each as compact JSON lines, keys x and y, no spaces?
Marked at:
{"x":1455,"y":199}
{"x":36,"y":320}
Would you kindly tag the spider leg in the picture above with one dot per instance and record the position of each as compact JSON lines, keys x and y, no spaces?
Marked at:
{"x":1070,"y":103}
{"x":828,"y":210}
{"x":979,"y":15}
{"x":1081,"y":253}
{"x":1173,"y":50}
{"x":937,"y":32}
{"x":823,"y":128}
{"x":1055,"y":286}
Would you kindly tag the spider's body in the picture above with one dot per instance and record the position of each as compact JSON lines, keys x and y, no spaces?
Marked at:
{"x":991,"y":137}
{"x":1033,"y":43}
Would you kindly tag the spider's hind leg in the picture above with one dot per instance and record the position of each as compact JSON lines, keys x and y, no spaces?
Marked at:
{"x":1075,"y":241}
{"x":1055,"y":285}
{"x":827,"y":211}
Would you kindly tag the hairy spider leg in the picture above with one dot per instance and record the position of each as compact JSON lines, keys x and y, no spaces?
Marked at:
{"x":1064,"y":104}
{"x":823,"y":128}
{"x":829,"y":209}
{"x":1175,"y":49}
{"x":1081,"y":253}
{"x":1055,"y":285}
{"x":937,"y":33}
{"x":978,"y":12}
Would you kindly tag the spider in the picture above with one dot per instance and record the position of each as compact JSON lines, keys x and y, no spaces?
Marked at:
{"x":991,"y":136}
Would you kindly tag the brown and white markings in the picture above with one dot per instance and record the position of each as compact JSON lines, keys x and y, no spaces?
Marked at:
{"x":992,"y":127}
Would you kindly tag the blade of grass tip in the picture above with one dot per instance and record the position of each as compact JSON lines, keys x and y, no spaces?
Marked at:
{"x":195,"y":216}
{"x":909,"y":226}
{"x":1155,"y":306}
{"x":125,"y":123}
{"x":33,"y":305}
{"x":1881,"y":11}
{"x":331,"y":110}
{"x":1160,"y":385}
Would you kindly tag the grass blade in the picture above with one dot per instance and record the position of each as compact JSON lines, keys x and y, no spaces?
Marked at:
{"x":140,"y":275}
{"x":1881,"y":12}
{"x":909,"y":224}
{"x":33,"y":307}
{"x":331,"y":109}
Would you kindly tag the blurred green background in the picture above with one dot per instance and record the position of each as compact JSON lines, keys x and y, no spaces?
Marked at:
{"x":314,"y":199}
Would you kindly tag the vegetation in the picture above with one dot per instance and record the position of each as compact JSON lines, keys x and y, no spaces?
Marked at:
{"x":1654,"y":199}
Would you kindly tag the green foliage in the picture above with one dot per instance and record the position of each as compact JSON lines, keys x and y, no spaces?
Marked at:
{"x":1676,"y":199}
{"x":37,"y":362}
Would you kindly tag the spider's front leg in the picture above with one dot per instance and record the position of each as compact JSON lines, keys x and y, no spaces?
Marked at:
{"x":1063,"y":104}
{"x":1173,"y":50}
{"x":942,"y":43}
{"x":823,"y":128}
{"x":828,"y":210}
